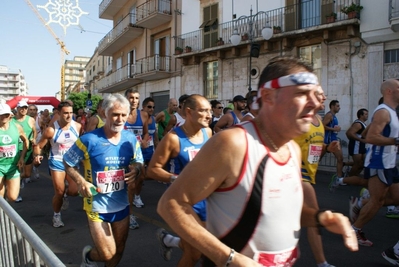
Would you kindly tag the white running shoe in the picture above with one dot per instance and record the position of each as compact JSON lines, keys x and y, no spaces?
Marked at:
{"x":165,"y":251}
{"x":65,"y":203}
{"x":354,"y":210}
{"x":57,"y":222}
{"x":133,"y":224}
{"x":137,"y":202}
{"x":362,"y":240}
{"x":85,"y":261}
{"x":19,"y":199}
{"x":364,"y":193}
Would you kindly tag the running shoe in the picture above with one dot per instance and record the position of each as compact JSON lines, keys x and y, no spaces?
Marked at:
{"x":362,"y":240}
{"x":364,"y":193}
{"x":165,"y":251}
{"x":334,"y":184}
{"x":354,"y":210}
{"x":19,"y":199}
{"x":65,"y":203}
{"x":392,"y":212}
{"x":85,"y":261}
{"x":57,"y":222}
{"x":137,"y":202}
{"x":133,"y":222}
{"x":390,"y":256}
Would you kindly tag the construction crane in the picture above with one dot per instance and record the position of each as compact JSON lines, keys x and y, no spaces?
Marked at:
{"x":64,"y":51}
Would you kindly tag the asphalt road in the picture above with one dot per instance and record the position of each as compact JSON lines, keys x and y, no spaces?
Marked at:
{"x":142,"y":246}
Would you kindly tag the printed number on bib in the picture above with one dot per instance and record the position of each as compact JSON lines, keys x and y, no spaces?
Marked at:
{"x":8,"y":151}
{"x":111,"y":181}
{"x":314,"y":153}
{"x":270,"y":259}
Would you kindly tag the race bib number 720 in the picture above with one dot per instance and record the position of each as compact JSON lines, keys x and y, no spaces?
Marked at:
{"x":111,"y":181}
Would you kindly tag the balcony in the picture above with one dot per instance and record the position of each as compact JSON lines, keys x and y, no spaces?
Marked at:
{"x":154,"y":13}
{"x":287,"y":23}
{"x":394,"y":14}
{"x":153,"y":68}
{"x":122,"y":34}
{"x":108,"y":8}
{"x":119,"y":80}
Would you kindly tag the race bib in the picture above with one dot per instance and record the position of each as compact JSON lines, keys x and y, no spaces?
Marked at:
{"x":285,"y":259}
{"x":192,"y":153}
{"x":111,"y":181}
{"x":64,"y":149}
{"x":8,"y":151}
{"x":139,"y":139}
{"x":314,"y":153}
{"x":150,"y":141}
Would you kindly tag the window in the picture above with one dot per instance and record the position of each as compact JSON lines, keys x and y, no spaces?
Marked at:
{"x":210,"y":25}
{"x":131,"y":63}
{"x":391,"y":56}
{"x":211,"y":80}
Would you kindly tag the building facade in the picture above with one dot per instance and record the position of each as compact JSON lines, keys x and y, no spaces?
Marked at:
{"x":96,"y":69}
{"x":12,"y":83}
{"x":139,"y":48}
{"x":74,"y":73}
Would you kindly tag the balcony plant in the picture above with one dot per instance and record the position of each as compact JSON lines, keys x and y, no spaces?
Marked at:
{"x":178,"y":50}
{"x":245,"y":37}
{"x":331,"y":17}
{"x":220,"y":41}
{"x":352,"y":10}
{"x":276,"y":29}
{"x":188,"y":49}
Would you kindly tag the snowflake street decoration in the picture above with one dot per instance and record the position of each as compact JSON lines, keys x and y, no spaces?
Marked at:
{"x":63,"y":12}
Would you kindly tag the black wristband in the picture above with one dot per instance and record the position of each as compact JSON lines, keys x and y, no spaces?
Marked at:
{"x":397,"y":141}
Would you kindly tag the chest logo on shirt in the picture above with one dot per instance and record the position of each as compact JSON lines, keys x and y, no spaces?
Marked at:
{"x":6,"y":139}
{"x":67,"y":135}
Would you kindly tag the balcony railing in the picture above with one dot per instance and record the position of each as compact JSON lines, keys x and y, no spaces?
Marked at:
{"x":393,"y":9}
{"x":285,"y":19}
{"x":153,"y":6}
{"x":118,"y":76}
{"x":128,"y":23}
{"x":153,"y":63}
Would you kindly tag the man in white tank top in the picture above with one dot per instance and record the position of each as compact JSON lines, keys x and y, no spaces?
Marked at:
{"x":62,"y":134}
{"x":259,"y":227}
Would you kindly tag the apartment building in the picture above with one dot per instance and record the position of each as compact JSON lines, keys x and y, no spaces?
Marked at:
{"x":96,"y":69}
{"x":139,"y":48}
{"x":351,"y":55}
{"x":12,"y":83}
{"x":74,"y":73}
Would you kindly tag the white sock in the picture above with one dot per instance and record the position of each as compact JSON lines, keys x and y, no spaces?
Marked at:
{"x":341,"y":181}
{"x":323,"y":264}
{"x":396,"y":248}
{"x":136,"y":196}
{"x":171,"y":241}
{"x":57,"y":213}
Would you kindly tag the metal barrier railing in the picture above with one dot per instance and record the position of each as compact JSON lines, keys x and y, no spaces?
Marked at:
{"x":19,"y":244}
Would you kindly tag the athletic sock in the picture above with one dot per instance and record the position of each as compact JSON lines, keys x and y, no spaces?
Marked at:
{"x":323,"y":264}
{"x":340,"y":180}
{"x":171,"y":241}
{"x":396,"y":248}
{"x":355,"y":228}
{"x":57,"y":213}
{"x":136,"y":196}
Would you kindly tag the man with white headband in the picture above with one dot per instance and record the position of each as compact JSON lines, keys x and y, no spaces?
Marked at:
{"x":252,"y":180}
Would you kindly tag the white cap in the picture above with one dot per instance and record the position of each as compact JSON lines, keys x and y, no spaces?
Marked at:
{"x":5,"y":109}
{"x":22,"y":104}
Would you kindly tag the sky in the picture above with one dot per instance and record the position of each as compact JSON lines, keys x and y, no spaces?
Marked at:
{"x":27,"y":45}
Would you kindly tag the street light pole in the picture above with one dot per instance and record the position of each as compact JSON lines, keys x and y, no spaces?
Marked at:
{"x":267,"y":33}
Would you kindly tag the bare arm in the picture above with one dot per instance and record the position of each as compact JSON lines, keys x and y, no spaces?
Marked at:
{"x":32,"y":124}
{"x":25,"y":143}
{"x":144,"y":118}
{"x":225,"y":121}
{"x":37,"y":150}
{"x":160,"y":117}
{"x":196,"y":183}
{"x":351,"y":132}
{"x":171,"y":123}
{"x":93,"y":121}
{"x":167,"y":148}
{"x":380,"y":119}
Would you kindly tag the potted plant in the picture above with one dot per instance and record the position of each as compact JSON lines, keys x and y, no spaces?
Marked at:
{"x":188,"y":49}
{"x":220,"y":41}
{"x":331,"y":17}
{"x":352,"y":10}
{"x":178,"y":50}
{"x":244,"y":37}
{"x":276,"y":29}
